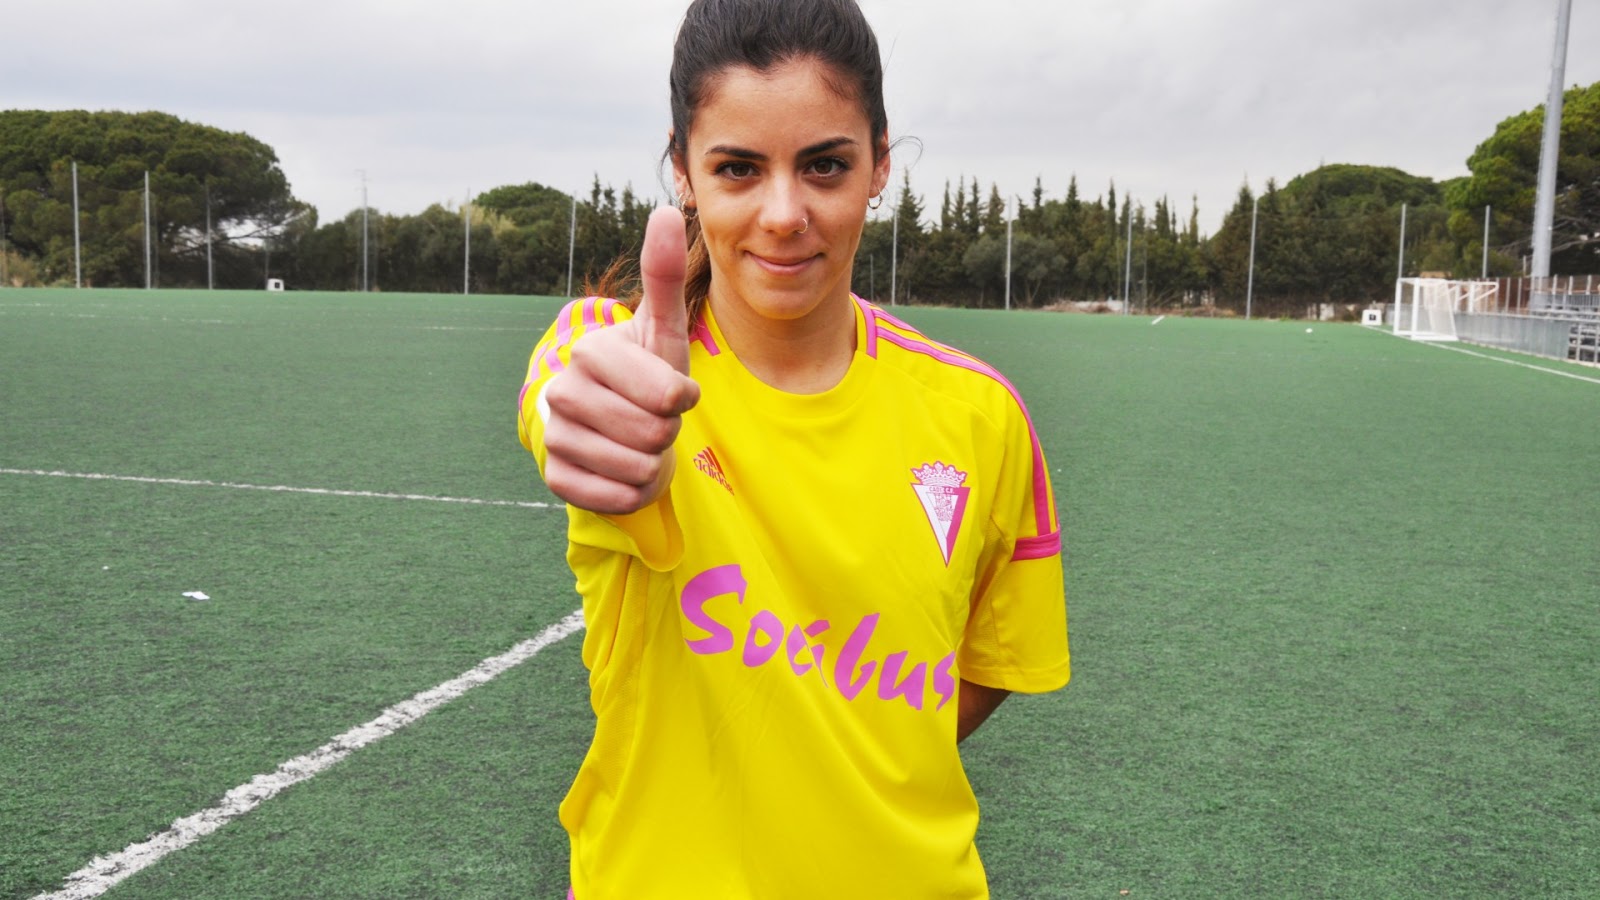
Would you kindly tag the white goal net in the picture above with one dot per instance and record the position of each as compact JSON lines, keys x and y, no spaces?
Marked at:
{"x":1425,"y":309}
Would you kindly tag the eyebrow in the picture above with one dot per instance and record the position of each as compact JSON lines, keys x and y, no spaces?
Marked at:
{"x":814,"y":149}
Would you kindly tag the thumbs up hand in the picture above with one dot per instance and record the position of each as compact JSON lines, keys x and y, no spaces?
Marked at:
{"x":615,"y":411}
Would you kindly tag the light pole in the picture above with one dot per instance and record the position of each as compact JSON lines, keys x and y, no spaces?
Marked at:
{"x":1009,"y":220}
{"x":1250,"y":281}
{"x":572,"y":242}
{"x":1545,"y":200}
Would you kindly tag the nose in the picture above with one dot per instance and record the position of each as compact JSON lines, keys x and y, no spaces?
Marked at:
{"x":783,"y":207}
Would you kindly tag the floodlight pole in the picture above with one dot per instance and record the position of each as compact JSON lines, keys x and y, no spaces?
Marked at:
{"x":466,"y":254}
{"x":147,"y":278}
{"x":572,"y":242}
{"x":77,"y":243}
{"x":894,"y":254}
{"x":1401,"y":271}
{"x":1127,"y":266}
{"x":1009,"y":220}
{"x":210,"y":273}
{"x":1250,"y":280}
{"x":1545,"y":203}
{"x":364,"y":281}
{"x":1485,"y":273}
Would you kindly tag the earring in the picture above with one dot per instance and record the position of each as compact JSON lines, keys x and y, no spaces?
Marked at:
{"x":690,"y":213}
{"x":875,"y":202}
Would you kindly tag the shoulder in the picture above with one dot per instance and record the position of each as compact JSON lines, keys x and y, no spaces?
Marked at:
{"x":587,"y":313}
{"x":938,"y":367}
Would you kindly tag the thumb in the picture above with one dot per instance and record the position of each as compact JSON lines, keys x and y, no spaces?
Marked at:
{"x":663,"y":320}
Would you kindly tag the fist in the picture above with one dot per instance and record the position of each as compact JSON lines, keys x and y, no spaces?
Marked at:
{"x":616,"y":409}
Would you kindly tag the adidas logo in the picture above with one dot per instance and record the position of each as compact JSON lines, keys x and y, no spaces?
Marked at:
{"x":706,"y":463}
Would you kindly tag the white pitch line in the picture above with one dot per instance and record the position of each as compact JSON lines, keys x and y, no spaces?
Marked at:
{"x":1517,"y":363}
{"x":1447,"y":346}
{"x":276,"y":488}
{"x":106,"y":871}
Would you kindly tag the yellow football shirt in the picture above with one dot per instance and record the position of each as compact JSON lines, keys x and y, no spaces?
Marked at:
{"x":775,"y":646}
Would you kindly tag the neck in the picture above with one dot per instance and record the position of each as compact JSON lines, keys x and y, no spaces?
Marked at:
{"x":807,"y":355}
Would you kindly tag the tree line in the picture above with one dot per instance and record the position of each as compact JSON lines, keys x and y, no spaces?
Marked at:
{"x":1329,"y":236}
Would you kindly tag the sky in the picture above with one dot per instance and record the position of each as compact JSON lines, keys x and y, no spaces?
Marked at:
{"x":1183,"y":99}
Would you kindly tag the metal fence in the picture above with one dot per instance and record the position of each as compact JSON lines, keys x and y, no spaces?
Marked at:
{"x":1556,"y":318}
{"x":1556,"y":294}
{"x":1553,"y":337}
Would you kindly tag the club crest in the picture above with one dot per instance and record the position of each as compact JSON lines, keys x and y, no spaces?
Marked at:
{"x":940,"y":489}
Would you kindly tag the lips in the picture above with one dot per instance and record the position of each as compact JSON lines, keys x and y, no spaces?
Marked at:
{"x":784,"y":265}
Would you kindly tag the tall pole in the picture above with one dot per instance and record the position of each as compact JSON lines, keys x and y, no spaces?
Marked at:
{"x":894,"y":255}
{"x":1009,"y":220}
{"x":364,"y":281}
{"x":466,"y":253}
{"x":1401,"y":272}
{"x":1250,"y":280}
{"x":1544,"y":210}
{"x":147,"y":278}
{"x":2,"y":237}
{"x":572,"y":242}
{"x":77,"y":243}
{"x":1127,"y":266}
{"x":210,"y":273}
{"x":1485,"y":243}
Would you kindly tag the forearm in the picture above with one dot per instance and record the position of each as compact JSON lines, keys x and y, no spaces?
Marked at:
{"x":973,"y":706}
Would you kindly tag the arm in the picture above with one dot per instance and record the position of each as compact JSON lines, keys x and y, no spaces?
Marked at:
{"x":973,"y":706}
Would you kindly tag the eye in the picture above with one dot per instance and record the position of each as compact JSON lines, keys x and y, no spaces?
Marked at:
{"x":736,"y":170}
{"x":829,"y":166}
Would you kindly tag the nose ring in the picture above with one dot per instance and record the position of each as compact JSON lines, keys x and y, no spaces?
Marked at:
{"x":805,"y":227}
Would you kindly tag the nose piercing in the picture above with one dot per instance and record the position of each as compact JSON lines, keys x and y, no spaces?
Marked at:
{"x":806,"y":227}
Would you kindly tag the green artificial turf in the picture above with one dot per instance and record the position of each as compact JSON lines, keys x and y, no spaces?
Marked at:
{"x":1331,"y":596}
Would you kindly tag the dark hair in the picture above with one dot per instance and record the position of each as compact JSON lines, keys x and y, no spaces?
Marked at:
{"x":720,"y":34}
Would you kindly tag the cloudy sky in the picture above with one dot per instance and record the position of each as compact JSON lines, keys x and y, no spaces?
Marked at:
{"x":1165,"y":97}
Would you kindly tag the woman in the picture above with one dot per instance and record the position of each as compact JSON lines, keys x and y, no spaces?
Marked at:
{"x":815,"y":548}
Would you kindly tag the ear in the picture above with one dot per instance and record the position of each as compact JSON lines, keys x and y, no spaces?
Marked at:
{"x":880,"y":165}
{"x":680,"y":174}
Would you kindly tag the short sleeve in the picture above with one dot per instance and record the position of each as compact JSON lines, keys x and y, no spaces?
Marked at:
{"x":651,"y":534}
{"x":1016,"y":636}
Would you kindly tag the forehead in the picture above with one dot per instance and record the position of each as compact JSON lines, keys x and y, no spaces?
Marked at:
{"x":791,"y":101}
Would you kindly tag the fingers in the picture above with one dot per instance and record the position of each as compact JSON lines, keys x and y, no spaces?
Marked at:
{"x":599,"y":454}
{"x":663,"y":320}
{"x":613,"y":360}
{"x":596,"y":493}
{"x":612,"y":417}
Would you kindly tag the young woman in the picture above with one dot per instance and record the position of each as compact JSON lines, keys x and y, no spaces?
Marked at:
{"x":815,"y":548}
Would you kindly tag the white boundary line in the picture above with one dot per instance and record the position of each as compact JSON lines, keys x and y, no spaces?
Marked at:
{"x":106,"y":871}
{"x":1512,"y":362}
{"x":276,"y":488}
{"x":1516,"y":363}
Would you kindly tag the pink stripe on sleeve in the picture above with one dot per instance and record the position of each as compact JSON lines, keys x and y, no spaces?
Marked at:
{"x":1042,"y":547}
{"x":564,"y":321}
{"x":1041,"y":489}
{"x":872,"y":327}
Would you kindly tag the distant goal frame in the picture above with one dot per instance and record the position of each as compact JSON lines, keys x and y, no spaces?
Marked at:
{"x":1425,"y":309}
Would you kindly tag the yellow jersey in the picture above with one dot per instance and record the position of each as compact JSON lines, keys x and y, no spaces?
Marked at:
{"x":775,"y":646}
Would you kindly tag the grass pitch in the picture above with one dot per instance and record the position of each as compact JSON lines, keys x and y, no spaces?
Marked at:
{"x":1332,"y":599}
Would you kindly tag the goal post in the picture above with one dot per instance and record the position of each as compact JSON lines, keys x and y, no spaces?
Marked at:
{"x":1425,"y":309}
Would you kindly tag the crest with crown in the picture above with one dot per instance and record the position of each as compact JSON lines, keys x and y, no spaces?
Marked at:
{"x":940,"y":475}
